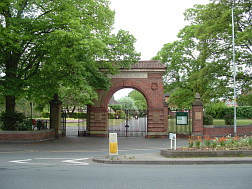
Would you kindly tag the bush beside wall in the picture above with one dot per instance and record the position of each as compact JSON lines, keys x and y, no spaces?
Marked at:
{"x":219,"y":110}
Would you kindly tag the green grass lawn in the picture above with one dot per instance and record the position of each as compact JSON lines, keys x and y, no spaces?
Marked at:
{"x":239,"y":122}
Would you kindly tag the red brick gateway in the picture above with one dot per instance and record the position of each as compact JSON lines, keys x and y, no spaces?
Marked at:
{"x":144,"y":76}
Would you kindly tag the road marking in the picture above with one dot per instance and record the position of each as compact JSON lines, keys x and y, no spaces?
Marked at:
{"x":76,"y":161}
{"x":69,"y":161}
{"x":50,"y":158}
{"x":22,"y":161}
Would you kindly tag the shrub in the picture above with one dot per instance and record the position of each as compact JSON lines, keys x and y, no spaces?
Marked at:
{"x":26,"y":125}
{"x":219,"y":110}
{"x":216,"y":110}
{"x":115,"y":107}
{"x":46,"y":114}
{"x":112,"y":116}
{"x":244,"y":112}
{"x":229,"y":119}
{"x":77,"y":115}
{"x":208,"y":120}
{"x":14,"y":121}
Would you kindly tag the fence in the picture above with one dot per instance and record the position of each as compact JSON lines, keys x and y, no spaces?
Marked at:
{"x":183,"y":128}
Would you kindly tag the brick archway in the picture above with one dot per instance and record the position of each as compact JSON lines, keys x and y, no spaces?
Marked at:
{"x":144,"y":76}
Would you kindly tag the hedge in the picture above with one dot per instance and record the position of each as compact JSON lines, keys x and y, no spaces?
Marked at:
{"x":219,"y":111}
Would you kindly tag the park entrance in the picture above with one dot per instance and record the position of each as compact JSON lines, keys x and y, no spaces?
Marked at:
{"x":134,"y":124}
{"x":144,"y":76}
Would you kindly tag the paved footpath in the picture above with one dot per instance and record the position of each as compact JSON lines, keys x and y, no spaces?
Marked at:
{"x":132,"y":150}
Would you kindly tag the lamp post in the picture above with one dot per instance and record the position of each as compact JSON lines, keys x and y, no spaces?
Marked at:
{"x":127,"y":122}
{"x":31,"y":105}
{"x":234,"y":68}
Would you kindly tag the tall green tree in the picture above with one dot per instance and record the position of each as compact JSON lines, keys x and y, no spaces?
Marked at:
{"x":49,"y":47}
{"x":139,"y":100}
{"x":200,"y":61}
{"x":127,"y":103}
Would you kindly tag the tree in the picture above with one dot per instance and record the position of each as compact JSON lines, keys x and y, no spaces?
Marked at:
{"x":127,"y":103}
{"x":201,"y":60}
{"x":116,"y":107}
{"x":139,"y":100}
{"x":55,"y":46}
{"x":245,"y":99}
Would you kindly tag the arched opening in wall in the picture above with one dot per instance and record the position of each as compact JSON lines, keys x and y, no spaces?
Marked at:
{"x":74,"y":121}
{"x":127,"y":113}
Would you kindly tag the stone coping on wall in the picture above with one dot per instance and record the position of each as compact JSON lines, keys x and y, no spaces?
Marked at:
{"x":26,"y":136}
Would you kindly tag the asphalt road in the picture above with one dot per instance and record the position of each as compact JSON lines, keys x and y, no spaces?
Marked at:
{"x":61,"y":173}
{"x":67,"y":163}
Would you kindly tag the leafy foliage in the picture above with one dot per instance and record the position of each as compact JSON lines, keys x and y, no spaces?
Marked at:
{"x":139,"y":100}
{"x":207,"y":120}
{"x":116,"y":107}
{"x":244,"y":112}
{"x":60,"y":47}
{"x":200,"y":61}
{"x":219,"y":110}
{"x":245,"y":99}
{"x":127,"y":103}
{"x":229,"y":119}
{"x":216,"y":110}
{"x":15,"y":121}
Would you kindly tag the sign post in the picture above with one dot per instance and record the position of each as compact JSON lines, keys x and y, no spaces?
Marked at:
{"x":113,"y":145}
{"x":172,"y":136}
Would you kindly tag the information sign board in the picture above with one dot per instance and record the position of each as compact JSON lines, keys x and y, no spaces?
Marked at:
{"x":182,"y":118}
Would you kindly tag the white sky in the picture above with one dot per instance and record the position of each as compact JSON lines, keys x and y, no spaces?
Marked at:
{"x":152,"y":22}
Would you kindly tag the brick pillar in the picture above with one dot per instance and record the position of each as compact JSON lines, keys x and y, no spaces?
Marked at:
{"x":197,"y":116}
{"x":166,"y":116}
{"x":98,"y":123}
{"x":55,"y":115}
{"x":88,"y":120}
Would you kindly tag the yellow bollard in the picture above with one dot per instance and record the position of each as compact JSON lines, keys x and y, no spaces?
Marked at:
{"x":113,"y":145}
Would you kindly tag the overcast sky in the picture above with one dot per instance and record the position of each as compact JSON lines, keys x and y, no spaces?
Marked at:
{"x":152,"y":22}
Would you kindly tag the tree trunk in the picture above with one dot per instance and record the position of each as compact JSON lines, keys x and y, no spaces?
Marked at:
{"x":10,"y":104}
{"x":73,"y":109}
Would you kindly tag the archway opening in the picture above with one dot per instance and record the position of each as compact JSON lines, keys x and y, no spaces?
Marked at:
{"x":127,"y":113}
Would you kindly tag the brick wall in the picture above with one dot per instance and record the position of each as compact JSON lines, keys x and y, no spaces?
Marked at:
{"x":26,"y":136}
{"x":212,"y":130}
